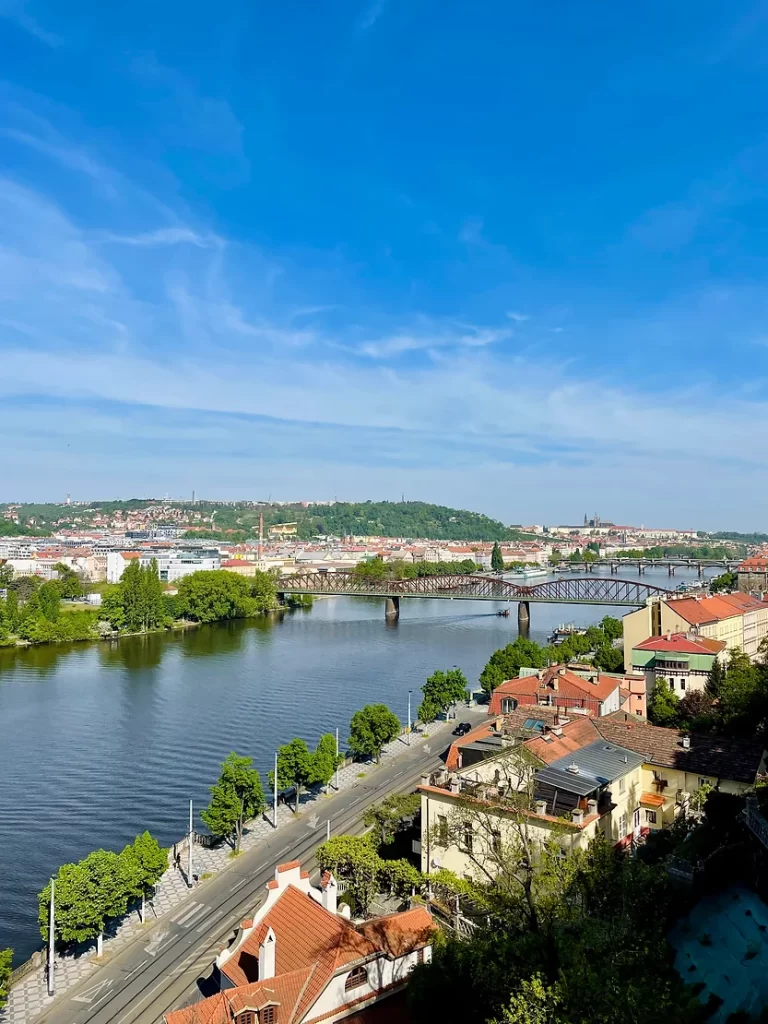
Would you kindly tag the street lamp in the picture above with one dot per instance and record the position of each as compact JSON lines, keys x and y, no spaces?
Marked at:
{"x":409,"y":717}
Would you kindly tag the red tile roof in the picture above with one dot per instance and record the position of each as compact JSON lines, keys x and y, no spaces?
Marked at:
{"x":576,"y":734}
{"x":555,"y":681}
{"x":699,"y":611}
{"x":679,"y":643}
{"x":285,"y":990}
{"x":718,"y":757}
{"x":399,"y":934}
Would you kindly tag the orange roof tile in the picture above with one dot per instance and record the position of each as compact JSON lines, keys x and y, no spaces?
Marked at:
{"x":679,"y":643}
{"x":398,"y":934}
{"x":576,"y":734}
{"x":285,"y":990}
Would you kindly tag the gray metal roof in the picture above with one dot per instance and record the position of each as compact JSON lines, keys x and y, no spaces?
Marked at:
{"x":599,"y":764}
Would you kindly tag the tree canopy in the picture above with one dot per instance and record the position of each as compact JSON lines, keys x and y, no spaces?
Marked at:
{"x":497,"y":559}
{"x":441,"y":690}
{"x":394,"y":813}
{"x":236,"y":797}
{"x":214,"y":595}
{"x":296,"y":767}
{"x":371,"y":729}
{"x":6,"y":961}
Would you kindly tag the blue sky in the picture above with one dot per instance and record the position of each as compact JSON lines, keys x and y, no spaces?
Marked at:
{"x":501,"y":255}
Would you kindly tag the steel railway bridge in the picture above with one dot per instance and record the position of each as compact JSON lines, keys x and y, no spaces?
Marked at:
{"x":591,"y":590}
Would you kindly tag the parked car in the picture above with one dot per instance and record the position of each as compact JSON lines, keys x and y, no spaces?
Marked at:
{"x":462,"y":729}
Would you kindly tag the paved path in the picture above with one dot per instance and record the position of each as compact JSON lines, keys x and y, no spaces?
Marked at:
{"x":149,"y":969}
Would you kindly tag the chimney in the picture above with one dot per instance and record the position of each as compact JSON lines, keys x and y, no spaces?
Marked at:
{"x":591,"y":807}
{"x":686,"y":742}
{"x":330,"y":892}
{"x":561,"y":671}
{"x":577,"y":816}
{"x":267,"y":956}
{"x":455,"y":785}
{"x":554,"y":682}
{"x":541,"y":806}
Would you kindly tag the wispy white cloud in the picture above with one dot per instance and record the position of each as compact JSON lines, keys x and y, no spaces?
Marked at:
{"x":18,"y":11}
{"x":519,"y":318}
{"x":371,"y":14}
{"x":168,"y":236}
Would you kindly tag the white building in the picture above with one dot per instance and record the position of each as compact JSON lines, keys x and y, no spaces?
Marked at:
{"x":300,"y":959}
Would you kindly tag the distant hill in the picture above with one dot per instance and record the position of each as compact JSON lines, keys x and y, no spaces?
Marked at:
{"x":409,"y":519}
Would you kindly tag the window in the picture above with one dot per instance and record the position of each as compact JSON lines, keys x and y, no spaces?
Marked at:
{"x":420,"y":955}
{"x":442,"y":830}
{"x":357,"y":976}
{"x":702,"y":782}
{"x":269,"y":1015}
{"x":622,"y":826}
{"x":650,"y":817}
{"x":246,"y":1017}
{"x":622,"y":785}
{"x":496,"y":842}
{"x":682,"y":684}
{"x":466,"y":841}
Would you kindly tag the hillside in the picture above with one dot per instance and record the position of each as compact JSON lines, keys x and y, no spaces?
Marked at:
{"x":410,"y":519}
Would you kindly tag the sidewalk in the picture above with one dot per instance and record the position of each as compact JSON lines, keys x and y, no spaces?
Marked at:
{"x":28,"y":998}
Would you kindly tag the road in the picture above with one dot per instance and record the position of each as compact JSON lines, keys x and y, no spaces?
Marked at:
{"x":158,"y":971}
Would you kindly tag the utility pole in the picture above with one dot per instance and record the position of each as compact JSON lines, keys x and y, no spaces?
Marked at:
{"x":337,"y":759}
{"x":409,"y":718}
{"x":51,"y":937}
{"x":274,"y":815}
{"x":191,"y":837}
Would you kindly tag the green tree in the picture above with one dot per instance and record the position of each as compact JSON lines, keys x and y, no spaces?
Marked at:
{"x":6,"y":576}
{"x":48,"y":599}
{"x":663,"y":705}
{"x":69,"y":583}
{"x":152,"y":597}
{"x":532,"y":1003}
{"x":144,"y":863}
{"x":132,"y":596}
{"x":215,"y":595}
{"x":295,"y":767}
{"x":371,"y":729}
{"x":394,"y":813}
{"x":727,"y":581}
{"x":497,"y":560}
{"x":326,"y":760}
{"x":612,"y":627}
{"x":88,"y":894}
{"x":441,"y":690}
{"x":507,"y":662}
{"x":236,"y":797}
{"x":353,"y":858}
{"x":6,"y":960}
{"x":609,"y":659}
{"x":715,"y":679}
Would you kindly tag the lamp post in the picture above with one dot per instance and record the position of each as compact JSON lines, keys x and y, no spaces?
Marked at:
{"x":51,"y":940}
{"x":190,"y":881}
{"x":409,"y":717}
{"x":274,"y":813}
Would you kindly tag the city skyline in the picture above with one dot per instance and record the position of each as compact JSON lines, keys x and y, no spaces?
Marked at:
{"x":486,"y":257}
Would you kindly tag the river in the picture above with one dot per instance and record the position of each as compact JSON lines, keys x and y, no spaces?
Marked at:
{"x":100,"y":741}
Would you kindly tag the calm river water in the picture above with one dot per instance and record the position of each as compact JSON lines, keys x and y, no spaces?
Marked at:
{"x":99,"y":741}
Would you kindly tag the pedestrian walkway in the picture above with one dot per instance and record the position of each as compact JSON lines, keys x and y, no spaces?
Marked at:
{"x":28,"y":998}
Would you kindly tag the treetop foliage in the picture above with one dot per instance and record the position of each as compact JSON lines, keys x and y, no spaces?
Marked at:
{"x":441,"y":691}
{"x":371,"y":729}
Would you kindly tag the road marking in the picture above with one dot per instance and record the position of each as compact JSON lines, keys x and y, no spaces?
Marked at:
{"x":90,"y":993}
{"x":238,"y":885}
{"x":209,"y":922}
{"x":157,"y":943}
{"x":137,"y":968}
{"x":312,"y":821}
{"x":193,"y":912}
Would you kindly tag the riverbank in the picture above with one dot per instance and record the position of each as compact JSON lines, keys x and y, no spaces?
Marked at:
{"x":28,"y":996}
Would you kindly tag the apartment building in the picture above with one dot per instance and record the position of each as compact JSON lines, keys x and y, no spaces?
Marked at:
{"x":580,"y":690}
{"x":565,"y":780}
{"x":738,"y":620}
{"x":683,"y":659}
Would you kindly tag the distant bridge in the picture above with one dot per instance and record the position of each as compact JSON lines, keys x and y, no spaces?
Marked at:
{"x":641,"y":564}
{"x":605,"y":590}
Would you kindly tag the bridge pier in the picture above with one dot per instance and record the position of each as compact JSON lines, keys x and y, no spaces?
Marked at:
{"x":700,"y":570}
{"x":392,"y":609}
{"x":523,"y":616}
{"x":640,"y":569}
{"x":670,"y":570}
{"x":614,"y":569}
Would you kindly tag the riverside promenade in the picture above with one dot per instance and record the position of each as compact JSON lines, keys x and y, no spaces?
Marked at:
{"x":28,"y":998}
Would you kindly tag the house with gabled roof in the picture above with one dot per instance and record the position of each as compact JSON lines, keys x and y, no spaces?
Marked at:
{"x":300,"y":959}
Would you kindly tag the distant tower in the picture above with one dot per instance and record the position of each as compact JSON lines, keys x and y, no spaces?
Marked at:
{"x":261,"y":534}
{"x":69,"y":500}
{"x":586,"y":521}
{"x":193,"y":497}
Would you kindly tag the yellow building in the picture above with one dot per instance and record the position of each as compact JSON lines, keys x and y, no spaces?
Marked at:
{"x":738,"y":620}
{"x":620,"y":777}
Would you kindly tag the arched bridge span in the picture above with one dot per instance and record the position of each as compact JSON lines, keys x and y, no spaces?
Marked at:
{"x":606,"y":590}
